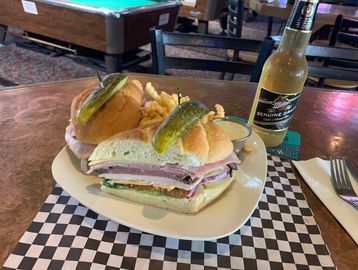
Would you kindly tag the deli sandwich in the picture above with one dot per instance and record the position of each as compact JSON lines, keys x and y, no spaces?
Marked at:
{"x":195,"y":169}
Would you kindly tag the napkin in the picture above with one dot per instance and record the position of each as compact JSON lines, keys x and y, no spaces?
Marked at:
{"x":316,"y":173}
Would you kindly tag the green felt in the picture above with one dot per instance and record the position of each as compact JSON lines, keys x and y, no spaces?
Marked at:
{"x":116,"y":4}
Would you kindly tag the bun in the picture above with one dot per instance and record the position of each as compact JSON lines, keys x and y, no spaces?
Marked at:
{"x":202,"y":144}
{"x":134,"y":145}
{"x":134,"y":89}
{"x":195,"y":141}
{"x":220,"y":145}
{"x":121,"y":112}
{"x":205,"y":194}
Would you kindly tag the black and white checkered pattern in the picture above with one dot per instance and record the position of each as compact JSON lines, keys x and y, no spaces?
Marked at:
{"x":281,"y":234}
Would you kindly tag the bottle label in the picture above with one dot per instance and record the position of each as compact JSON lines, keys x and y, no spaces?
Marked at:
{"x":302,"y":15}
{"x":274,"y":111}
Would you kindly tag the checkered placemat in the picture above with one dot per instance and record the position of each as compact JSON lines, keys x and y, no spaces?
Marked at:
{"x":281,"y":234}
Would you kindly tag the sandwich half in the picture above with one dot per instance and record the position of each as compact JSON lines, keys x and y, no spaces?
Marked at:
{"x":120,"y":112}
{"x":195,"y":170}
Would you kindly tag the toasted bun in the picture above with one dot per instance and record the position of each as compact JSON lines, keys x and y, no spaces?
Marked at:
{"x":200,"y":145}
{"x":134,"y":89}
{"x":119,"y":113}
{"x":205,"y":194}
{"x":195,"y":141}
{"x":134,"y":145}
{"x":208,"y":142}
{"x":220,"y":145}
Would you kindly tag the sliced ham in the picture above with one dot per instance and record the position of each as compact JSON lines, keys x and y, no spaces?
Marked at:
{"x":80,"y":149}
{"x":187,"y":175}
{"x":175,"y":172}
{"x":205,"y":169}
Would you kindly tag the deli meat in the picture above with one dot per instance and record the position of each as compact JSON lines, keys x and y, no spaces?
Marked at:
{"x":168,"y":171}
{"x":184,"y":174}
{"x":202,"y":170}
{"x":80,"y":149}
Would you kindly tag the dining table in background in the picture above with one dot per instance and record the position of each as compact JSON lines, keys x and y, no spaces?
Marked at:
{"x":326,"y":13}
{"x":34,"y":117}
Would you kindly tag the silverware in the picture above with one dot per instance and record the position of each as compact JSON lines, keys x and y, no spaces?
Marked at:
{"x":341,"y":181}
{"x":352,"y":168}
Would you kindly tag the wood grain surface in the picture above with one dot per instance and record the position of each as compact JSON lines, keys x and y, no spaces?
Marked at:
{"x":34,"y":117}
{"x":326,"y":13}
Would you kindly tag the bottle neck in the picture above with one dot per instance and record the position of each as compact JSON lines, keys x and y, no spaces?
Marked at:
{"x":294,"y":41}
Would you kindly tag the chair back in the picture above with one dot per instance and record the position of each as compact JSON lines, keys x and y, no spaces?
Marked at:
{"x":235,"y":18}
{"x":161,"y":62}
{"x":234,"y":29}
{"x":339,"y":63}
{"x":342,"y":31}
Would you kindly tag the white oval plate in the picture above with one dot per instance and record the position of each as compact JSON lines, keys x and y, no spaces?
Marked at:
{"x":218,"y":219}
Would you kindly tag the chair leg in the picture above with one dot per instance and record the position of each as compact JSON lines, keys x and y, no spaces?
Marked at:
{"x":222,"y":74}
{"x":223,"y":20}
{"x":203,"y":27}
{"x":235,"y":57}
{"x":269,"y":26}
{"x":3,"y":29}
{"x":113,"y":62}
{"x":279,"y":31}
{"x":321,"y":82}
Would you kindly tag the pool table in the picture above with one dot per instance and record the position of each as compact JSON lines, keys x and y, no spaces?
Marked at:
{"x":112,"y":27}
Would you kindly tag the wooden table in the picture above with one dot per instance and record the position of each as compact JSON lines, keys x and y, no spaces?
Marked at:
{"x":326,"y":13}
{"x":34,"y":117}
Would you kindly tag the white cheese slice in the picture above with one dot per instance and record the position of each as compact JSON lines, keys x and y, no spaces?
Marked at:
{"x":132,"y":179}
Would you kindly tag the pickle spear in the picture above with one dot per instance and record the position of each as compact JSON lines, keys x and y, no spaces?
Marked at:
{"x":184,"y":117}
{"x":103,"y":92}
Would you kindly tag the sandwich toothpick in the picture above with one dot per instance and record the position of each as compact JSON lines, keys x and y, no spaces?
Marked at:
{"x":99,"y":79}
{"x":179,"y":96}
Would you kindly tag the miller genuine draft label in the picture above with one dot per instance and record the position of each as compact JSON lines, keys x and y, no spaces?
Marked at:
{"x":274,"y":111}
{"x":302,"y":15}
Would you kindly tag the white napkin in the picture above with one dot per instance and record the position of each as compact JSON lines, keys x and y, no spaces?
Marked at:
{"x":316,"y":173}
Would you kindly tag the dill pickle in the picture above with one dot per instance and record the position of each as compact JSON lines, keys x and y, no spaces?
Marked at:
{"x":102,"y":92}
{"x":184,"y":117}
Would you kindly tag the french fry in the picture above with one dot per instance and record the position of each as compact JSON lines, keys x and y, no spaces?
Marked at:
{"x":161,"y":105}
{"x":151,"y":90}
{"x":220,"y":112}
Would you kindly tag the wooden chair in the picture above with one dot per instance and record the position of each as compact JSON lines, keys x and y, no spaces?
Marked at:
{"x":344,"y":34}
{"x":345,"y":31}
{"x":161,"y":62}
{"x":340,"y":64}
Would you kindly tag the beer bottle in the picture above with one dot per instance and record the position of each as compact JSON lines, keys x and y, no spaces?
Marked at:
{"x":283,"y":76}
